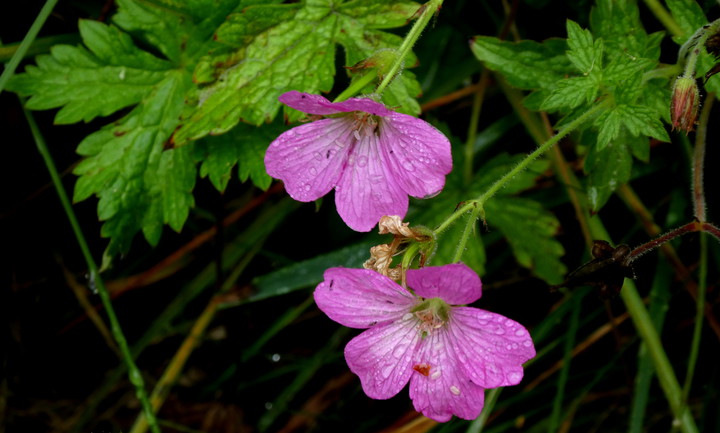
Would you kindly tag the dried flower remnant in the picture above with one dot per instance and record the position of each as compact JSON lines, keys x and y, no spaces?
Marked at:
{"x":684,"y":104}
{"x":449,"y":354}
{"x":372,"y":156}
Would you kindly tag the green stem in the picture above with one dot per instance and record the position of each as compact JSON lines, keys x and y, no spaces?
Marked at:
{"x":477,"y":205}
{"x":699,"y":311}
{"x":473,"y":127}
{"x":648,"y":333}
{"x":664,"y":17}
{"x":695,"y":45}
{"x":698,"y":189}
{"x":429,"y":10}
{"x":356,"y":86}
{"x":26,"y":42}
{"x":133,"y":372}
{"x":491,"y":399}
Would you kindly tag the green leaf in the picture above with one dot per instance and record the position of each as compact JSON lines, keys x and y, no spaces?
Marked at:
{"x":111,"y":75}
{"x":529,"y":229}
{"x":275,"y":60}
{"x":618,"y":23}
{"x":526,"y":64}
{"x":608,"y":168}
{"x":244,"y":145}
{"x":584,"y":52}
{"x":139,"y":185}
{"x":571,"y":93}
{"x":643,"y":121}
{"x":688,"y":15}
{"x":610,"y":124}
{"x":309,"y":272}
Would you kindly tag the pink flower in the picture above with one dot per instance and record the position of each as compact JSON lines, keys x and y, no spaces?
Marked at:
{"x":449,"y":354}
{"x":373,"y":157}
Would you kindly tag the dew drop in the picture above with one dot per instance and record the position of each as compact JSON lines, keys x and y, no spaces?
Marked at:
{"x":455,"y":390}
{"x":307,"y":187}
{"x":268,"y":405}
{"x":318,"y":156}
{"x":399,"y":351}
{"x":351,"y":160}
{"x":387,"y":371}
{"x":362,"y":161}
{"x":407,"y":316}
{"x":520,"y":332}
{"x":376,"y":178}
{"x":408,"y":165}
{"x":500,"y":330}
{"x":527,"y":343}
{"x":313,"y":171}
{"x":435,"y":375}
{"x":275,"y":357}
{"x":514,"y":377}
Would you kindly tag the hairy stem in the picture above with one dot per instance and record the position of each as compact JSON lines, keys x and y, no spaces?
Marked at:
{"x":428,"y":10}
{"x":664,"y":17}
{"x":698,"y":189}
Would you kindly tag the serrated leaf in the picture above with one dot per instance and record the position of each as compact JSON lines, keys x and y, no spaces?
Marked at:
{"x":140,"y":187}
{"x":618,"y":23}
{"x":584,"y":52}
{"x":624,"y":67}
{"x":609,"y":123}
{"x":571,"y":93}
{"x":244,"y":145}
{"x":275,"y":61}
{"x":530,"y":230}
{"x":643,"y":121}
{"x":525,"y":64}
{"x":111,"y":75}
{"x":608,"y":168}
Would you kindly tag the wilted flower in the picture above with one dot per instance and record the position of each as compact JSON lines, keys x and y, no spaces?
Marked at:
{"x":449,"y":354}
{"x":373,"y":157}
{"x":684,"y":104}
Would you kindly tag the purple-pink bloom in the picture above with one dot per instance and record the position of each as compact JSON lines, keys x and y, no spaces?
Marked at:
{"x":450,"y":354}
{"x":373,"y":157}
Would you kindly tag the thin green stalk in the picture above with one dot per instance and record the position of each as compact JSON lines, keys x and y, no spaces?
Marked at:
{"x":133,"y":372}
{"x":429,"y":10}
{"x":664,"y":17}
{"x":698,"y":165}
{"x":476,"y":205}
{"x":648,"y":334}
{"x":26,"y":42}
{"x":39,"y":46}
{"x":699,"y":311}
{"x":556,"y":416}
{"x":491,"y":399}
{"x":356,"y":86}
{"x":473,"y":127}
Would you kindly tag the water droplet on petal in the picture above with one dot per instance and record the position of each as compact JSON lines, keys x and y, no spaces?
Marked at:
{"x":500,"y":330}
{"x":455,"y":390}
{"x":318,"y":156}
{"x":399,"y":351}
{"x":387,"y":371}
{"x":307,"y":187}
{"x":514,"y":377}
{"x":407,"y":316}
{"x":527,"y":343}
{"x":408,"y":165}
{"x":376,"y":178}
{"x":351,"y":160}
{"x":520,"y":332}
{"x":313,"y":171}
{"x":362,"y":161}
{"x":435,"y":375}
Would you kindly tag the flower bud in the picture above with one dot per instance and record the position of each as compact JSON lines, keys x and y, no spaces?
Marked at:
{"x":684,"y":104}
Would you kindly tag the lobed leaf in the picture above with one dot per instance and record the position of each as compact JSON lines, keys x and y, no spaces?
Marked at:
{"x":584,"y":52}
{"x":273,"y":61}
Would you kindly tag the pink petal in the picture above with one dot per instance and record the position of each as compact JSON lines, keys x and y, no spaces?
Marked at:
{"x":309,"y":158}
{"x":366,"y":192}
{"x":445,"y":390}
{"x":418,"y":155}
{"x":382,"y":356}
{"x":316,"y":104}
{"x":455,"y":283}
{"x":361,"y":298}
{"x":489,"y":347}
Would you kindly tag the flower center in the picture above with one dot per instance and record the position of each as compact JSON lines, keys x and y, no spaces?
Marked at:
{"x":432,"y":314}
{"x":364,"y":124}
